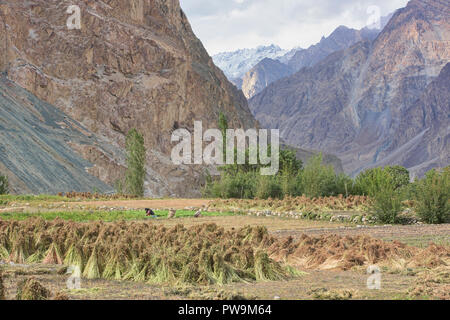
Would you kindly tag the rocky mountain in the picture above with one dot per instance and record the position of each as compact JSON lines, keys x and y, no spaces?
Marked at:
{"x":236,"y":64}
{"x":369,"y":104}
{"x":340,"y":39}
{"x":263,"y":74}
{"x":422,"y":141}
{"x":35,"y":146}
{"x":133,"y":64}
{"x":260,"y":76}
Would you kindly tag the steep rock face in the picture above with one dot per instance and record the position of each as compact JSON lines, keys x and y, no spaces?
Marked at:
{"x":263,"y":74}
{"x":353,"y":102}
{"x":34,"y":149}
{"x":308,"y":106}
{"x":422,"y":141}
{"x":132,"y":64}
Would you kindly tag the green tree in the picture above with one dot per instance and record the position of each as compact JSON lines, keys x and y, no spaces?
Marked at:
{"x":290,"y":168}
{"x":289,"y":163}
{"x":269,"y":187}
{"x":400,"y":176}
{"x":370,"y":181}
{"x":433,"y":196}
{"x":135,"y":175}
{"x":379,"y":184}
{"x":317,"y":179}
{"x":4,"y":185}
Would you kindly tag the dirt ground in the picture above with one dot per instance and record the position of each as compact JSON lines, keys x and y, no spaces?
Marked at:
{"x":415,"y":235}
{"x":306,"y":287}
{"x":351,"y":284}
{"x":141,"y":204}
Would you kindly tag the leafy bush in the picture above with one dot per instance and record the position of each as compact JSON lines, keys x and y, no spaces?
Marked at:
{"x":269,"y":187}
{"x":344,"y":185}
{"x":4,"y":185}
{"x":400,"y":176}
{"x":241,"y":185}
{"x":371,"y":181}
{"x":433,"y":196}
{"x":387,"y":206}
{"x":289,"y":164}
{"x":317,"y":180}
{"x":290,"y":185}
{"x":380,"y":185}
{"x":245,"y":182}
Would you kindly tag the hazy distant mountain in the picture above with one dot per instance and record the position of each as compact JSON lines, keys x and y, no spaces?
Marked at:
{"x":376,"y":102}
{"x":341,"y":38}
{"x":261,"y":75}
{"x":241,"y":66}
{"x":236,"y":64}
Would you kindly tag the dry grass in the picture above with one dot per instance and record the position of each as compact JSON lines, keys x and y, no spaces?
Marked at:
{"x":336,"y":294}
{"x":146,"y":252}
{"x":335,"y":252}
{"x":2,"y":288}
{"x":271,"y":223}
{"x":202,"y":254}
{"x":31,"y":289}
{"x":432,"y":283}
{"x":352,"y":203}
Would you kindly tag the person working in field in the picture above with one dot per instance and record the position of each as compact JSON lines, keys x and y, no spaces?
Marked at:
{"x":150,"y":213}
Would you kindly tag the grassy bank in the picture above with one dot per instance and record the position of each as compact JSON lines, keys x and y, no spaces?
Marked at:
{"x":107,"y":216}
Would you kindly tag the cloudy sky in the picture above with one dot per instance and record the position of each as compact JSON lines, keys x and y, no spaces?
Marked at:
{"x":227,"y":25}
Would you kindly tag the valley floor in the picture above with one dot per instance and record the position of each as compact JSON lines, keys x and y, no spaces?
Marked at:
{"x":409,"y":283}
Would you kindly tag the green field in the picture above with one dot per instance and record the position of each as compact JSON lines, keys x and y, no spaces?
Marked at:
{"x":107,"y":216}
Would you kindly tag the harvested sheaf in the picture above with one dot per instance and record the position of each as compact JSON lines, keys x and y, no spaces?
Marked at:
{"x":144,"y":251}
{"x":204,"y":254}
{"x":31,"y":289}
{"x":2,"y":288}
{"x":335,"y":252}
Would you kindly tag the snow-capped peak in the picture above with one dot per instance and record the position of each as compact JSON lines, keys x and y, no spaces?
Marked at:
{"x":236,"y":64}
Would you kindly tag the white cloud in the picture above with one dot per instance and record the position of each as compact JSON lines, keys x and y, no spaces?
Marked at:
{"x":227,"y":25}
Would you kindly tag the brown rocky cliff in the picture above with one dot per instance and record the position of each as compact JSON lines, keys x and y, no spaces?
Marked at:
{"x":133,"y":64}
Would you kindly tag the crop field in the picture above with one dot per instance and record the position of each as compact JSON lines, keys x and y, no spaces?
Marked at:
{"x":223,"y":253}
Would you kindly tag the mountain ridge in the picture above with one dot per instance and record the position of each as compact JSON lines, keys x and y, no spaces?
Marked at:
{"x":352,"y":103}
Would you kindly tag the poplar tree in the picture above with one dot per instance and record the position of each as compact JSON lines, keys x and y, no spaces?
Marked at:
{"x":135,"y":175}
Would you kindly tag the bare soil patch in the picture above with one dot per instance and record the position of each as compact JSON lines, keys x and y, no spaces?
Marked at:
{"x":154,"y":204}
